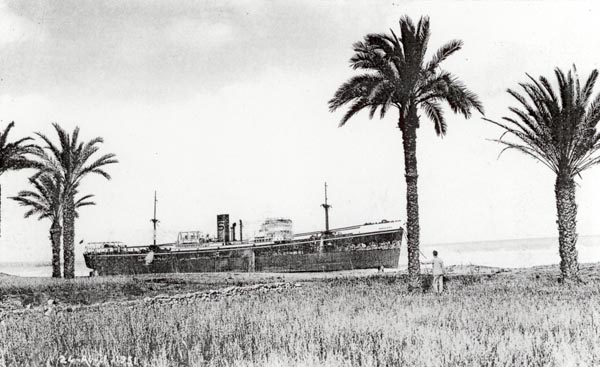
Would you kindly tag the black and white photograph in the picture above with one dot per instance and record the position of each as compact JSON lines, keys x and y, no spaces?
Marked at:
{"x":315,"y":183}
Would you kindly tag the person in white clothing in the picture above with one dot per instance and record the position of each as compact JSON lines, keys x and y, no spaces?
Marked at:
{"x":437,"y":272}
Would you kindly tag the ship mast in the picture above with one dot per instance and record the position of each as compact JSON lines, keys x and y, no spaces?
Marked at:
{"x":154,"y":220}
{"x":326,"y":207}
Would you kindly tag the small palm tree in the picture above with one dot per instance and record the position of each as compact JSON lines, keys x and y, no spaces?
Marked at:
{"x":13,"y":155}
{"x":558,"y":128}
{"x":398,"y":76}
{"x":72,"y":161}
{"x":46,"y":201}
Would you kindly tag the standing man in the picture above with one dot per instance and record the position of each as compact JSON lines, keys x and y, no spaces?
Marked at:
{"x":437,"y":272}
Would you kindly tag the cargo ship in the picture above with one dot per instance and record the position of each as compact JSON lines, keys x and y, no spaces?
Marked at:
{"x":275,"y":249}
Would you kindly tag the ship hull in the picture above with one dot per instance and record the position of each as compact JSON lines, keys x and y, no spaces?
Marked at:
{"x":373,"y":250}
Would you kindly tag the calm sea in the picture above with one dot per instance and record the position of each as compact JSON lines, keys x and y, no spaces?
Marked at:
{"x":517,"y":253}
{"x":38,"y":269}
{"x":506,"y":254}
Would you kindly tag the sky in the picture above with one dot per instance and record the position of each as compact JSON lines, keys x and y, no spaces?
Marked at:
{"x":221,"y":107}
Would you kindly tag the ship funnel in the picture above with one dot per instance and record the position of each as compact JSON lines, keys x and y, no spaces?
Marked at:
{"x":223,"y":227}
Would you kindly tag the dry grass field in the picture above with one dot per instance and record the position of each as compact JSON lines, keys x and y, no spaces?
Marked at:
{"x":517,"y":318}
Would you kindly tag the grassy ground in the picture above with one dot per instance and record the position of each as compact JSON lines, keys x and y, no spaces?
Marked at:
{"x":18,"y":292}
{"x":508,"y":319}
{"x":22,"y":291}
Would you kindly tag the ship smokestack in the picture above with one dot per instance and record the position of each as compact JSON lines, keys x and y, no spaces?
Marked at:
{"x":233,"y":231}
{"x":241,"y":226}
{"x":223,"y":227}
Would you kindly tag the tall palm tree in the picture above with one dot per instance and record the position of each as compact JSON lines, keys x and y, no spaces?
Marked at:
{"x":13,"y":155}
{"x":398,"y":76}
{"x":558,"y":128}
{"x":46,"y":201}
{"x":72,"y":161}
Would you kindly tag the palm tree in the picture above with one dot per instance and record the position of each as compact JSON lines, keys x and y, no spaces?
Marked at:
{"x":71,"y":160}
{"x":13,"y":155}
{"x":398,"y":76}
{"x":46,"y":201}
{"x":558,"y":128}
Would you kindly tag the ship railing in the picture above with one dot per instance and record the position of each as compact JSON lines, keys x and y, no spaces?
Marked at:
{"x":106,"y":248}
{"x":345,"y":230}
{"x":325,"y":240}
{"x":334,"y":236}
{"x":119,"y":247}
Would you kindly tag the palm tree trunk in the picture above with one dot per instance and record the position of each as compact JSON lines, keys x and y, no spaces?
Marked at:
{"x":567,"y":225}
{"x":69,"y":238}
{"x":409,"y":142}
{"x":55,"y":234}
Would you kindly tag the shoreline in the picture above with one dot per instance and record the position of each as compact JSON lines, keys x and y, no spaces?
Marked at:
{"x":23,"y":292}
{"x":452,"y":269}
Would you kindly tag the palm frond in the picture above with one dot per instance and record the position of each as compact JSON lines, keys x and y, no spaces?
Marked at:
{"x":4,"y":135}
{"x":95,"y":167}
{"x":436,"y":115}
{"x":588,"y":88}
{"x":359,"y":86}
{"x":556,"y":127}
{"x":354,"y":109}
{"x":397,"y":77}
{"x":83,"y":199}
{"x":443,"y":53}
{"x":461,"y":99}
{"x":15,"y":155}
{"x":527,"y":150}
{"x":70,"y":157}
{"x":36,"y":205}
